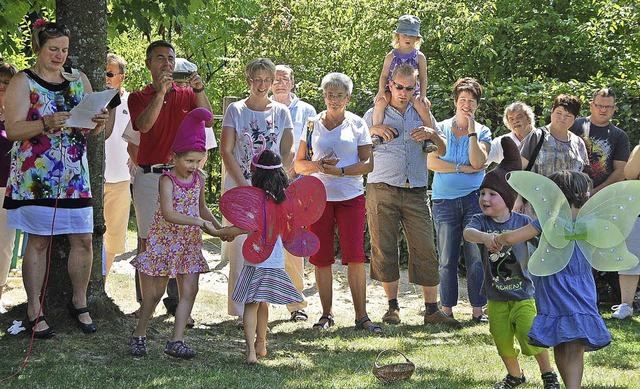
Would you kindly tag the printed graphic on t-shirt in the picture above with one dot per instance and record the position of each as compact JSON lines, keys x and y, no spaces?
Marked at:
{"x":505,"y":273}
{"x":599,"y":151}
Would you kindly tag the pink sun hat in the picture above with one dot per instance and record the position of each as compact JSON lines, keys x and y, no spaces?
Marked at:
{"x":191,"y":135}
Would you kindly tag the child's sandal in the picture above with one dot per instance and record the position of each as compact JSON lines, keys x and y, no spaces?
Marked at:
{"x":138,"y":345}
{"x":179,"y":350}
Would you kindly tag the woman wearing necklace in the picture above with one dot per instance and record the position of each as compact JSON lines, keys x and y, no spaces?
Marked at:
{"x":48,"y":191}
{"x":336,"y":148}
{"x":245,"y":123}
{"x":458,"y":175}
{"x":7,"y":235}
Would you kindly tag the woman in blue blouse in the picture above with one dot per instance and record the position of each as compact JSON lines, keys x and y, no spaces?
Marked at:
{"x":458,"y":175}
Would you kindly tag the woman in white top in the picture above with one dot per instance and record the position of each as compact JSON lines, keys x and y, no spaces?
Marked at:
{"x":244,"y":122}
{"x":336,"y":148}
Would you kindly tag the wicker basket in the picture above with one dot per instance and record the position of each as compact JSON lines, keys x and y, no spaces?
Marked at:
{"x":393,"y":372}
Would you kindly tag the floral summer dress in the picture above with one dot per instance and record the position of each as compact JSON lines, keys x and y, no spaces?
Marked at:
{"x":175,"y":248}
{"x":52,"y":165}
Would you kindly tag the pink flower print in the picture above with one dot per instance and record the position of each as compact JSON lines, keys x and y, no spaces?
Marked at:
{"x":39,"y":145}
{"x":33,"y":97}
{"x":33,"y":114}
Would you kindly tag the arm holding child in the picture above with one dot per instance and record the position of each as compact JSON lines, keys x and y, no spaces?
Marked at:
{"x":520,"y":235}
{"x":473,"y":235}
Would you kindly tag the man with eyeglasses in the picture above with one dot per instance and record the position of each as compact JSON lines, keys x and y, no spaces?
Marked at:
{"x":300,"y":113}
{"x":117,"y":178}
{"x":607,"y":145}
{"x":396,"y":196}
{"x":156,"y":113}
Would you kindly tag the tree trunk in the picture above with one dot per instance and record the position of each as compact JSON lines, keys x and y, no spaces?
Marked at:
{"x":87,"y":22}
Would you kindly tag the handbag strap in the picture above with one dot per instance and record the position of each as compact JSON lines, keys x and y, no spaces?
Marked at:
{"x":534,"y":155}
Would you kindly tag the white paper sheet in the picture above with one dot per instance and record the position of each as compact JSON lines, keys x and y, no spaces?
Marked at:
{"x":89,"y":107}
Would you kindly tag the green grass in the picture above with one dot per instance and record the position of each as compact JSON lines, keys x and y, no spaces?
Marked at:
{"x":298,"y":356}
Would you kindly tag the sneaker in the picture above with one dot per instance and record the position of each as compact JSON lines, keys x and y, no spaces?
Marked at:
{"x":392,"y":316}
{"x":482,"y":319}
{"x":299,"y":315}
{"x":511,"y":382}
{"x":439,"y":317}
{"x":621,"y":311}
{"x":550,"y":380}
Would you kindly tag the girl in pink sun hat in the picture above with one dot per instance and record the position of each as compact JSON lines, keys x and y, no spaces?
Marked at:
{"x":174,"y":248}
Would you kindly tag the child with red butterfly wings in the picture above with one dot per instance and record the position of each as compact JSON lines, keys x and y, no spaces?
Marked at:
{"x":277,"y":213}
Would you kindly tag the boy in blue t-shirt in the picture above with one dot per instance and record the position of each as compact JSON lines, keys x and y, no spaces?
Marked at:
{"x":507,"y":285}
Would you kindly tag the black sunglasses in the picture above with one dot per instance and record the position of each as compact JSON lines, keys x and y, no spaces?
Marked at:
{"x":111,"y":74}
{"x":401,"y":87}
{"x":55,"y":27}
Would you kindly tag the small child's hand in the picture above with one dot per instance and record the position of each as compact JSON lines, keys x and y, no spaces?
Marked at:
{"x":490,"y":243}
{"x":425,"y":101}
{"x":229,"y":233}
{"x":380,"y":96}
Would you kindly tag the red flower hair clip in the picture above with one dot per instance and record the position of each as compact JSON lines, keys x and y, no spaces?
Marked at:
{"x":39,"y":23}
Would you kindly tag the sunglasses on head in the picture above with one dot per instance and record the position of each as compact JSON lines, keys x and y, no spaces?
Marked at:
{"x":111,"y":74}
{"x":401,"y":87}
{"x":54,"y":27}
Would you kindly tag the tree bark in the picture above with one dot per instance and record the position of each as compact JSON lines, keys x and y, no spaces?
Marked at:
{"x":87,"y":23}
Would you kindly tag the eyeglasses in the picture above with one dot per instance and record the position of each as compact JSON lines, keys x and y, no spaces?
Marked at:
{"x":332,"y":97}
{"x":607,"y":107}
{"x":401,"y":87}
{"x":111,"y":74}
{"x":283,"y":80}
{"x":267,"y":81}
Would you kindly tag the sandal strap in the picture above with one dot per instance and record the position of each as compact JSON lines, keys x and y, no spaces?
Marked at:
{"x":179,"y":349}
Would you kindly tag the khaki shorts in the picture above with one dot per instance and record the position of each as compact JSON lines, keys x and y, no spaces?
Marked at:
{"x":117,"y":203}
{"x":388,"y":208}
{"x":145,"y":199}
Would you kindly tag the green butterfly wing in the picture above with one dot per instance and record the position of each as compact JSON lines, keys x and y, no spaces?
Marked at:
{"x":552,"y":208}
{"x":547,"y":260}
{"x":600,"y":229}
{"x":609,"y":217}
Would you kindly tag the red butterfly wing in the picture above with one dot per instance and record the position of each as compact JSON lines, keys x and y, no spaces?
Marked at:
{"x":251,"y":209}
{"x":306,"y":199}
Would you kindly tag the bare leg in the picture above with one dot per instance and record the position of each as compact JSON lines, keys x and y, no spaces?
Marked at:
{"x":544,"y":362}
{"x":324,"y":283}
{"x":628,"y":286}
{"x":570,"y":361}
{"x":188,"y":289}
{"x":250,"y":322}
{"x":358,"y":286}
{"x":512,"y":365}
{"x":261,"y":329}
{"x":79,"y":267}
{"x":430,"y":294}
{"x":34,"y":267}
{"x":390,"y":289}
{"x":110,"y":258}
{"x":152,"y":290}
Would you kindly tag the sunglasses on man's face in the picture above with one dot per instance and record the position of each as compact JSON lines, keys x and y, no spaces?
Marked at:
{"x":111,"y":74}
{"x":401,"y":87}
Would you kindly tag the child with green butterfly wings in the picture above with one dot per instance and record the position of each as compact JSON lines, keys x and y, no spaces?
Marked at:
{"x":575,"y":234}
{"x":507,"y":284}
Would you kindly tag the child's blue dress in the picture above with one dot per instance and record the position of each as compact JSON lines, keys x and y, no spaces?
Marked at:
{"x":567,"y":306}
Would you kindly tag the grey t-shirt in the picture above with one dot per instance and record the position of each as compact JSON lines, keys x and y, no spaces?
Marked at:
{"x":506,"y":277}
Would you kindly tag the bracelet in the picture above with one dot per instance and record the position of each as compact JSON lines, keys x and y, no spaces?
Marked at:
{"x":473,"y":134}
{"x":342,"y":170}
{"x":45,"y":128}
{"x":458,"y":169}
{"x":198,"y":90}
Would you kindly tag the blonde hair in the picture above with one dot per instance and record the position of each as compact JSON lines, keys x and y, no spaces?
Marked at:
{"x":258,"y":64}
{"x":396,"y":41}
{"x":46,"y":31}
